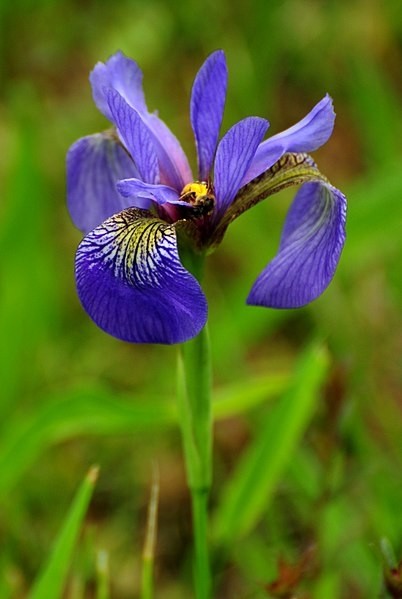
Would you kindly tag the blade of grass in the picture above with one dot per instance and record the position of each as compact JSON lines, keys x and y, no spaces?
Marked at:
{"x":148,"y":554}
{"x":249,"y":491}
{"x":52,"y":578}
{"x":102,"y":570}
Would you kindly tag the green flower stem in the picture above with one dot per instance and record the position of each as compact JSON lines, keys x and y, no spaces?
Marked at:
{"x":194,"y":394}
{"x":196,"y":425}
{"x":200,"y":520}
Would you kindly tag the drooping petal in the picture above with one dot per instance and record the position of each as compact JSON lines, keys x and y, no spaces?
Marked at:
{"x":233,"y":157}
{"x":124,"y":76}
{"x":135,"y":135}
{"x":206,"y":109}
{"x":132,"y":284}
{"x":305,"y":136}
{"x":134,"y":188}
{"x":310,"y":248}
{"x":94,"y":164}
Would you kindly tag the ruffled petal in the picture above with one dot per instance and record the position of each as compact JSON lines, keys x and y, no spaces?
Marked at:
{"x":233,"y":157}
{"x":305,"y":136}
{"x":94,"y":164}
{"x":136,"y":189}
{"x":206,"y":109}
{"x":124,"y":76}
{"x":132,"y":284}
{"x":310,"y":248}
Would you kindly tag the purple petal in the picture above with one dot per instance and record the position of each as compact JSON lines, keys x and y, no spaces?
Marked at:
{"x":206,"y":109}
{"x":310,"y":248}
{"x":305,"y":136}
{"x":94,"y":164}
{"x":122,"y":74}
{"x":132,"y":284}
{"x":173,"y":163}
{"x":136,"y":137}
{"x":136,"y":189}
{"x":233,"y":157}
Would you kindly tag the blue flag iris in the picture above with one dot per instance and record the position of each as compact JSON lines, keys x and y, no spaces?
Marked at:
{"x":132,"y":193}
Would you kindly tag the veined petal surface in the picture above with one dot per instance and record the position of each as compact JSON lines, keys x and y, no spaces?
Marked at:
{"x":310,"y":248}
{"x":94,"y":164}
{"x":233,"y":157}
{"x":124,"y":76}
{"x":132,"y":284}
{"x":135,"y":135}
{"x":307,"y":135}
{"x":206,"y":109}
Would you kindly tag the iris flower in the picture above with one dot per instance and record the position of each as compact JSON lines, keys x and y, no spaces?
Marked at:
{"x":132,"y":193}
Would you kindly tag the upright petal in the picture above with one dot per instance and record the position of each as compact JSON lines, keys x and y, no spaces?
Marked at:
{"x":94,"y":164}
{"x":132,"y":284}
{"x":124,"y":76}
{"x":206,"y":109}
{"x":173,"y":164}
{"x":305,"y":136}
{"x":136,"y":137}
{"x":233,"y":157}
{"x":310,"y":248}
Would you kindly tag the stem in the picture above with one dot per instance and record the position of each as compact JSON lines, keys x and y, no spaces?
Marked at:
{"x":194,"y":394}
{"x":200,"y":520}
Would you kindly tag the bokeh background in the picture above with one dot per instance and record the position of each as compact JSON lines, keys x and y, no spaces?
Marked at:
{"x":71,"y":396}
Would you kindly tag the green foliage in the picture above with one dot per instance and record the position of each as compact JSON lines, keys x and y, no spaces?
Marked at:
{"x":51,"y":580}
{"x":249,"y":491}
{"x":306,"y":455}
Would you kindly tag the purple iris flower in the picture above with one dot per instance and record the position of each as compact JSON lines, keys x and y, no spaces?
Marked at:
{"x":132,"y":193}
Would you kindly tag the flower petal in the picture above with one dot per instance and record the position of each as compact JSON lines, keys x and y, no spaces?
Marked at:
{"x":94,"y":164}
{"x":173,"y":164}
{"x":310,"y":248}
{"x":136,"y":189}
{"x":233,"y":157}
{"x":305,"y":136}
{"x":206,"y":109}
{"x":132,"y":284}
{"x":135,"y":135}
{"x":124,"y":76}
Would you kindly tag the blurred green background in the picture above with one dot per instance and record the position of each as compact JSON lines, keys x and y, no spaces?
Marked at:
{"x":71,"y":396}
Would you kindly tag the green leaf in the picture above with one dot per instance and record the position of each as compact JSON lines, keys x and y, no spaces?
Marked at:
{"x":248,"y":493}
{"x":52,"y":579}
